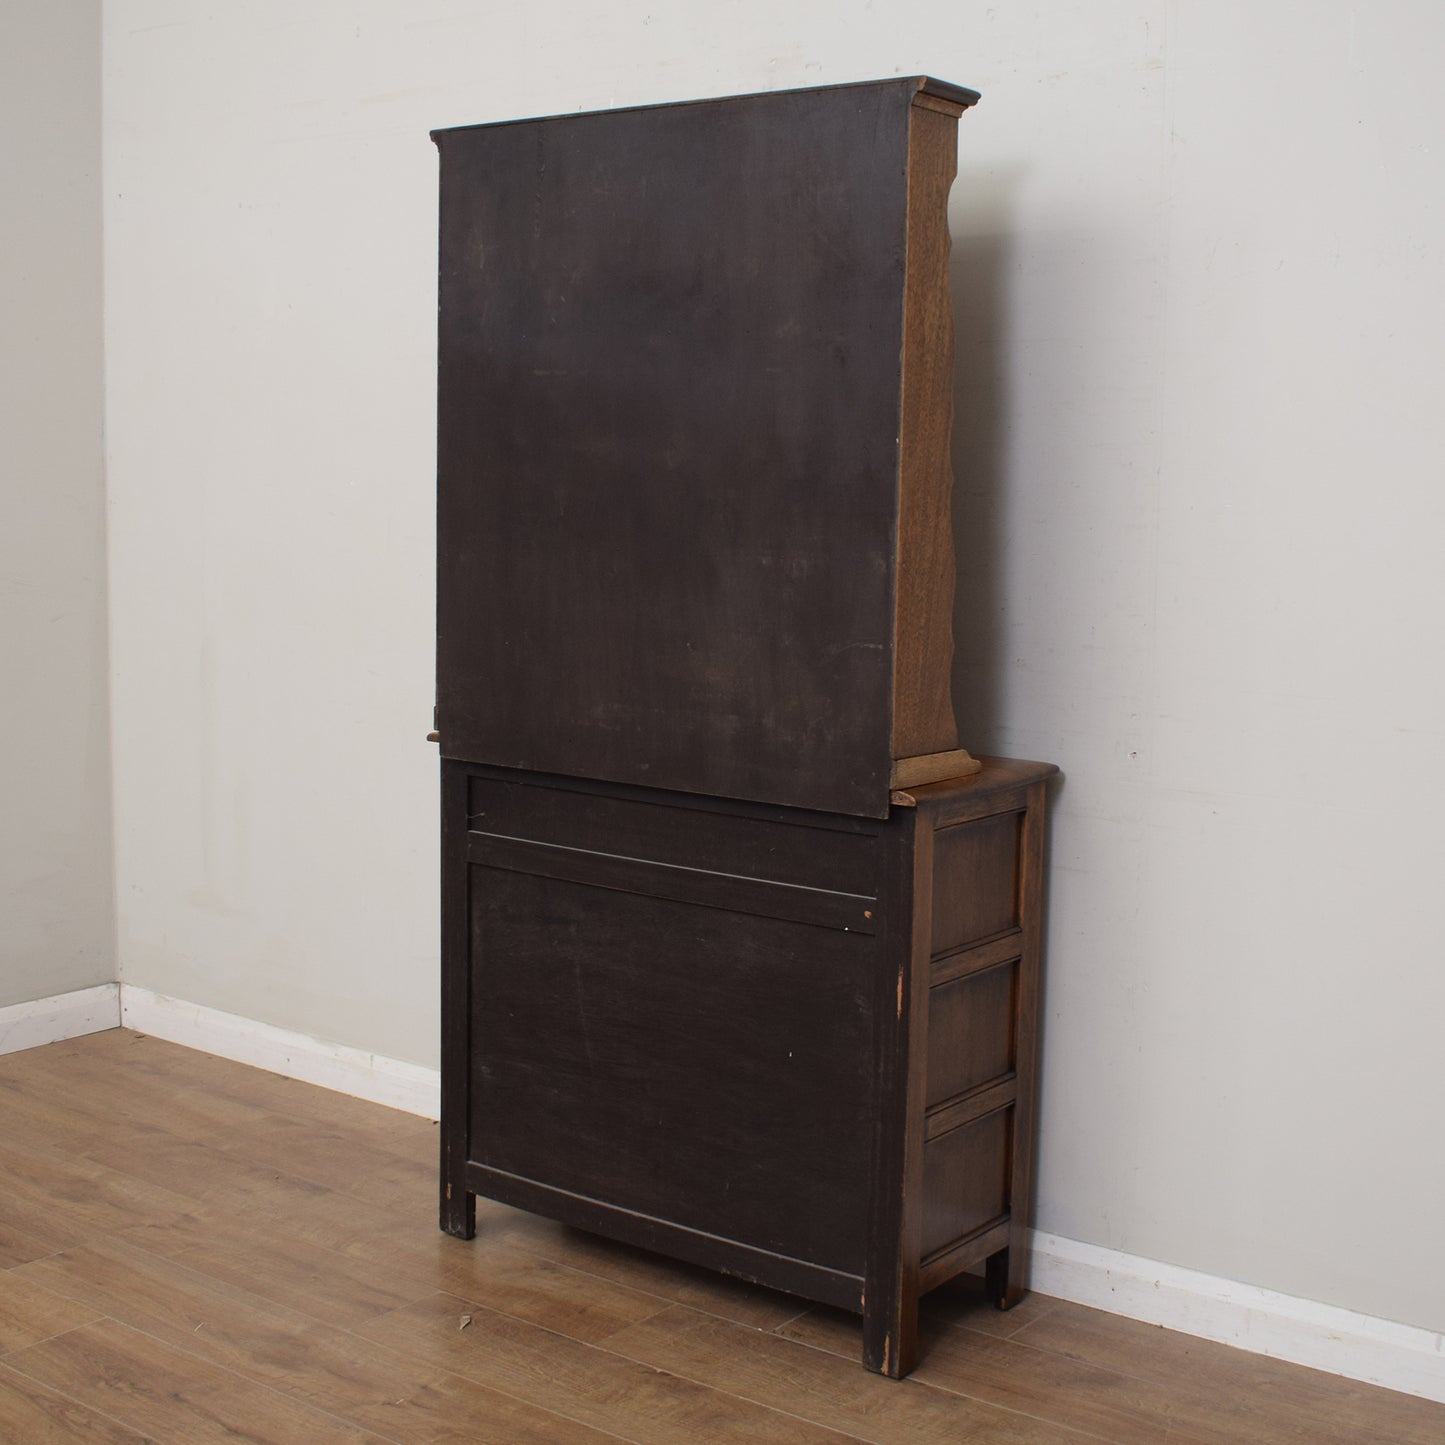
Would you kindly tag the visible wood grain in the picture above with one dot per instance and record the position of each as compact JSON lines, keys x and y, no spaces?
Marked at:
{"x":649,"y":878}
{"x":671,"y":563}
{"x":688,"y":1064}
{"x":965,"y":1180}
{"x":603,"y":1389}
{"x":815,"y":1385}
{"x":1100,"y":1402}
{"x":914,"y":772}
{"x":1007,"y":1273}
{"x":1285,"y":1401}
{"x":191,"y":1343}
{"x":672,"y":1280}
{"x":977,"y":881}
{"x":964,"y":1301}
{"x":970,"y":1031}
{"x":895,"y":1203}
{"x":659,"y":1053}
{"x":168,"y":1395}
{"x":286,"y":1351}
{"x":35,"y":1414}
{"x":1002,"y":785}
{"x":923,"y":721}
{"x":30,"y":1313}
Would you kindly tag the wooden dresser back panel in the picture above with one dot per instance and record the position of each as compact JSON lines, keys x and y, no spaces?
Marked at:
{"x":669,"y":388}
{"x":685,"y":1062}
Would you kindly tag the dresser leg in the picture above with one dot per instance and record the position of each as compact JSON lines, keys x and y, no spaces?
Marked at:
{"x":1003,"y":1278}
{"x":890,"y":1337}
{"x":458,"y":1212}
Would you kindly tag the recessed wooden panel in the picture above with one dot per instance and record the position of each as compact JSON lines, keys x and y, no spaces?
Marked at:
{"x":970,"y":1031}
{"x":965,"y":1180}
{"x":685,"y":1062}
{"x":975,"y":880}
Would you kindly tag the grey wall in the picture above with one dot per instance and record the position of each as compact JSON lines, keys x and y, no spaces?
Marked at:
{"x":56,"y":900}
{"x":1198,"y":276}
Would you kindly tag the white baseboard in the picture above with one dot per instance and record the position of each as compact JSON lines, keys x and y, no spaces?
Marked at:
{"x":1305,"y":1332}
{"x":62,"y":1016}
{"x":398,"y":1085}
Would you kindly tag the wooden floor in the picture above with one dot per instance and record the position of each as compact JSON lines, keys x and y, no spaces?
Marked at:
{"x":193,"y":1250}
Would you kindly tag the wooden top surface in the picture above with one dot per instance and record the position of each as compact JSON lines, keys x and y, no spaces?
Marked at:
{"x":922,"y":85}
{"x":996,"y":775}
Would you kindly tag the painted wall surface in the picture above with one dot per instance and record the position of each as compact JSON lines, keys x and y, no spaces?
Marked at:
{"x":57,"y":922}
{"x":1198,"y":282}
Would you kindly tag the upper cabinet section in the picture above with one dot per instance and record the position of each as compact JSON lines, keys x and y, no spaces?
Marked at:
{"x":694,"y":405}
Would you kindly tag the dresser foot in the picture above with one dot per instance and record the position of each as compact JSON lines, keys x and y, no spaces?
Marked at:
{"x":458,"y":1212}
{"x":890,"y":1338}
{"x":1003,"y":1281}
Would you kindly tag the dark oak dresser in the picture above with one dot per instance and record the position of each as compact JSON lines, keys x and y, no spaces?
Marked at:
{"x":739,"y":948}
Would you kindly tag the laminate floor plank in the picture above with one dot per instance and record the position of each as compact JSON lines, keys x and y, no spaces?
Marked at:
{"x":819,"y":1386}
{"x":369,"y":1276}
{"x":1088,"y":1395}
{"x":962,"y":1302}
{"x":516,"y":1283}
{"x":355,"y":1380}
{"x":192,"y":1250}
{"x":168,"y":1395}
{"x":37,"y":1415}
{"x":1313,"y":1405}
{"x":19,"y":1246}
{"x":678,"y":1283}
{"x":226,"y":1080}
{"x":30,"y":1313}
{"x":403,"y":1160}
{"x":59,"y":1198}
{"x":647,"y":1405}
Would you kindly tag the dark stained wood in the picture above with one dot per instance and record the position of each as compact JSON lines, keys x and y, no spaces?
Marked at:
{"x":692,"y":384}
{"x":200,"y":1331}
{"x":963,"y":1108}
{"x":1007,"y":1274}
{"x":977,"y":890}
{"x":890,"y":1302}
{"x":965,"y":1180}
{"x":694,"y":1064}
{"x":970,"y":1031}
{"x":788,"y":845}
{"x":648,"y":878}
{"x":667,"y":1038}
{"x":974,"y":958}
{"x":458,"y":1205}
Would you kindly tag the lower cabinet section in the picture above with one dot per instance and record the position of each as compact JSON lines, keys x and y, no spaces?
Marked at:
{"x":796,"y":1047}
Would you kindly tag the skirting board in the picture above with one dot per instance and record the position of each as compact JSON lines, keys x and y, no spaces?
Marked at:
{"x":1324,"y":1337}
{"x":62,"y":1016}
{"x":1304,"y":1332}
{"x":409,"y":1087}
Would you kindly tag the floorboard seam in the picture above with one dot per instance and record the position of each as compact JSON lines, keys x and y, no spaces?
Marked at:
{"x":79,"y":1404}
